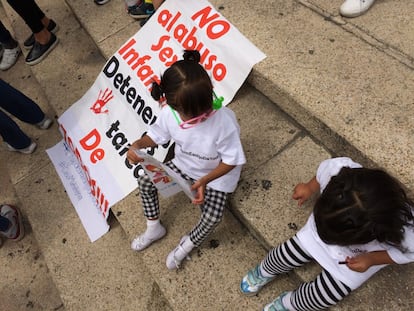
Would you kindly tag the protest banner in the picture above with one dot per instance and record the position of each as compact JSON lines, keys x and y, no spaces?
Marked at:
{"x":118,"y":108}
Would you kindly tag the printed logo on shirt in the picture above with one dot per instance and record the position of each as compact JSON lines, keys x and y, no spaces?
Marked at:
{"x":201,"y":157}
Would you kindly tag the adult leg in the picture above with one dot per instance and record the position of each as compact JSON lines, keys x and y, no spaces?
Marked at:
{"x":20,"y":105}
{"x":30,"y":12}
{"x":12,"y":134}
{"x":44,"y":40}
{"x":5,"y":36}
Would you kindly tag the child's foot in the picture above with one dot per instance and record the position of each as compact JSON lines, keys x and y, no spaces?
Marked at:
{"x":144,"y":240}
{"x":277,"y":304}
{"x":15,"y":232}
{"x":253,"y":281}
{"x":175,"y":258}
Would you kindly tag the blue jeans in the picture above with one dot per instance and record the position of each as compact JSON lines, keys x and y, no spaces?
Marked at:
{"x":23,"y":108}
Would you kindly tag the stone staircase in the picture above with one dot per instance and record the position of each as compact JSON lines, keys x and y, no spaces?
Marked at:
{"x":328,"y":86}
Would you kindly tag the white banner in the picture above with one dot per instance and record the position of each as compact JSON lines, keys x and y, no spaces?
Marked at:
{"x":76,"y":186}
{"x":118,"y":108}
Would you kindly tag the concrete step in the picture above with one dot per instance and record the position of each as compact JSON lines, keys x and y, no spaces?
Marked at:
{"x":349,"y":82}
{"x":279,"y":149}
{"x":65,"y":270}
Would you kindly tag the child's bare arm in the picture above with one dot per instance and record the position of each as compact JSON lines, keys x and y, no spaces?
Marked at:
{"x":363,"y":262}
{"x":304,"y":191}
{"x":200,"y":185}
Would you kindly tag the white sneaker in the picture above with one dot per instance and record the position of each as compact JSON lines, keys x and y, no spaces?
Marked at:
{"x":142,"y":241}
{"x":27,"y":150}
{"x":179,"y":253}
{"x":10,"y":57}
{"x":354,"y":8}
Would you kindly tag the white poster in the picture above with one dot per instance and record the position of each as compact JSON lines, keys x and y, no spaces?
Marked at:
{"x":76,"y":186}
{"x":118,"y":108}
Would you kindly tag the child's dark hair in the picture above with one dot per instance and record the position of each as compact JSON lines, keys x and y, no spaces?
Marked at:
{"x":361,"y":205}
{"x":186,"y":86}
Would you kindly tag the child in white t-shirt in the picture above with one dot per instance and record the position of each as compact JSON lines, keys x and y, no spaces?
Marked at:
{"x":208,"y":152}
{"x":361,"y":222}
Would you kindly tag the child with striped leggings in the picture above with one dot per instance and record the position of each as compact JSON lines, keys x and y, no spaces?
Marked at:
{"x":208,"y":152}
{"x":361,"y":222}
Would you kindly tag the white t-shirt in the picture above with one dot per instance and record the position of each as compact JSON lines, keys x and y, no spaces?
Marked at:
{"x":328,"y":255}
{"x":200,"y":149}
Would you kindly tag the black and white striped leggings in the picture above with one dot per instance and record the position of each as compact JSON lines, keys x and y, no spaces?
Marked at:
{"x":321,"y":293}
{"x":211,"y":211}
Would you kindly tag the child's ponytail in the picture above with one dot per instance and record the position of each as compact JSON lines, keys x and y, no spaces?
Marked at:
{"x":192,"y":55}
{"x":156,"y":91}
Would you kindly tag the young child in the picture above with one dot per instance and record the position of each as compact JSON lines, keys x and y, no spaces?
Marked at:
{"x":362,"y":221}
{"x":208,"y":152}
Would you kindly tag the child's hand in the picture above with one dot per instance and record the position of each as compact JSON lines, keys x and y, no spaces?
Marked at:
{"x":199,"y":186}
{"x":304,"y":191}
{"x":362,"y":262}
{"x":144,"y":142}
{"x":301,"y":193}
{"x":132,"y":156}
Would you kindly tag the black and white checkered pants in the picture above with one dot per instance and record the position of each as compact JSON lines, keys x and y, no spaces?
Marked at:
{"x":211,"y":211}
{"x":321,"y":293}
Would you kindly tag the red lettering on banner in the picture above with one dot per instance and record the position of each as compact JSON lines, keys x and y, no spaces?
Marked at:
{"x":215,"y":28}
{"x":135,"y":61}
{"x":164,"y":51}
{"x":90,"y":142}
{"x":100,"y":199}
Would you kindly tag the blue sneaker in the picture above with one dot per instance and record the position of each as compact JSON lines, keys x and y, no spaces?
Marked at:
{"x":277,"y":304}
{"x":253,"y":281}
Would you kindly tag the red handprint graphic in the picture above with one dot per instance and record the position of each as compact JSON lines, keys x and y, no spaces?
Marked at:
{"x":103,"y":99}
